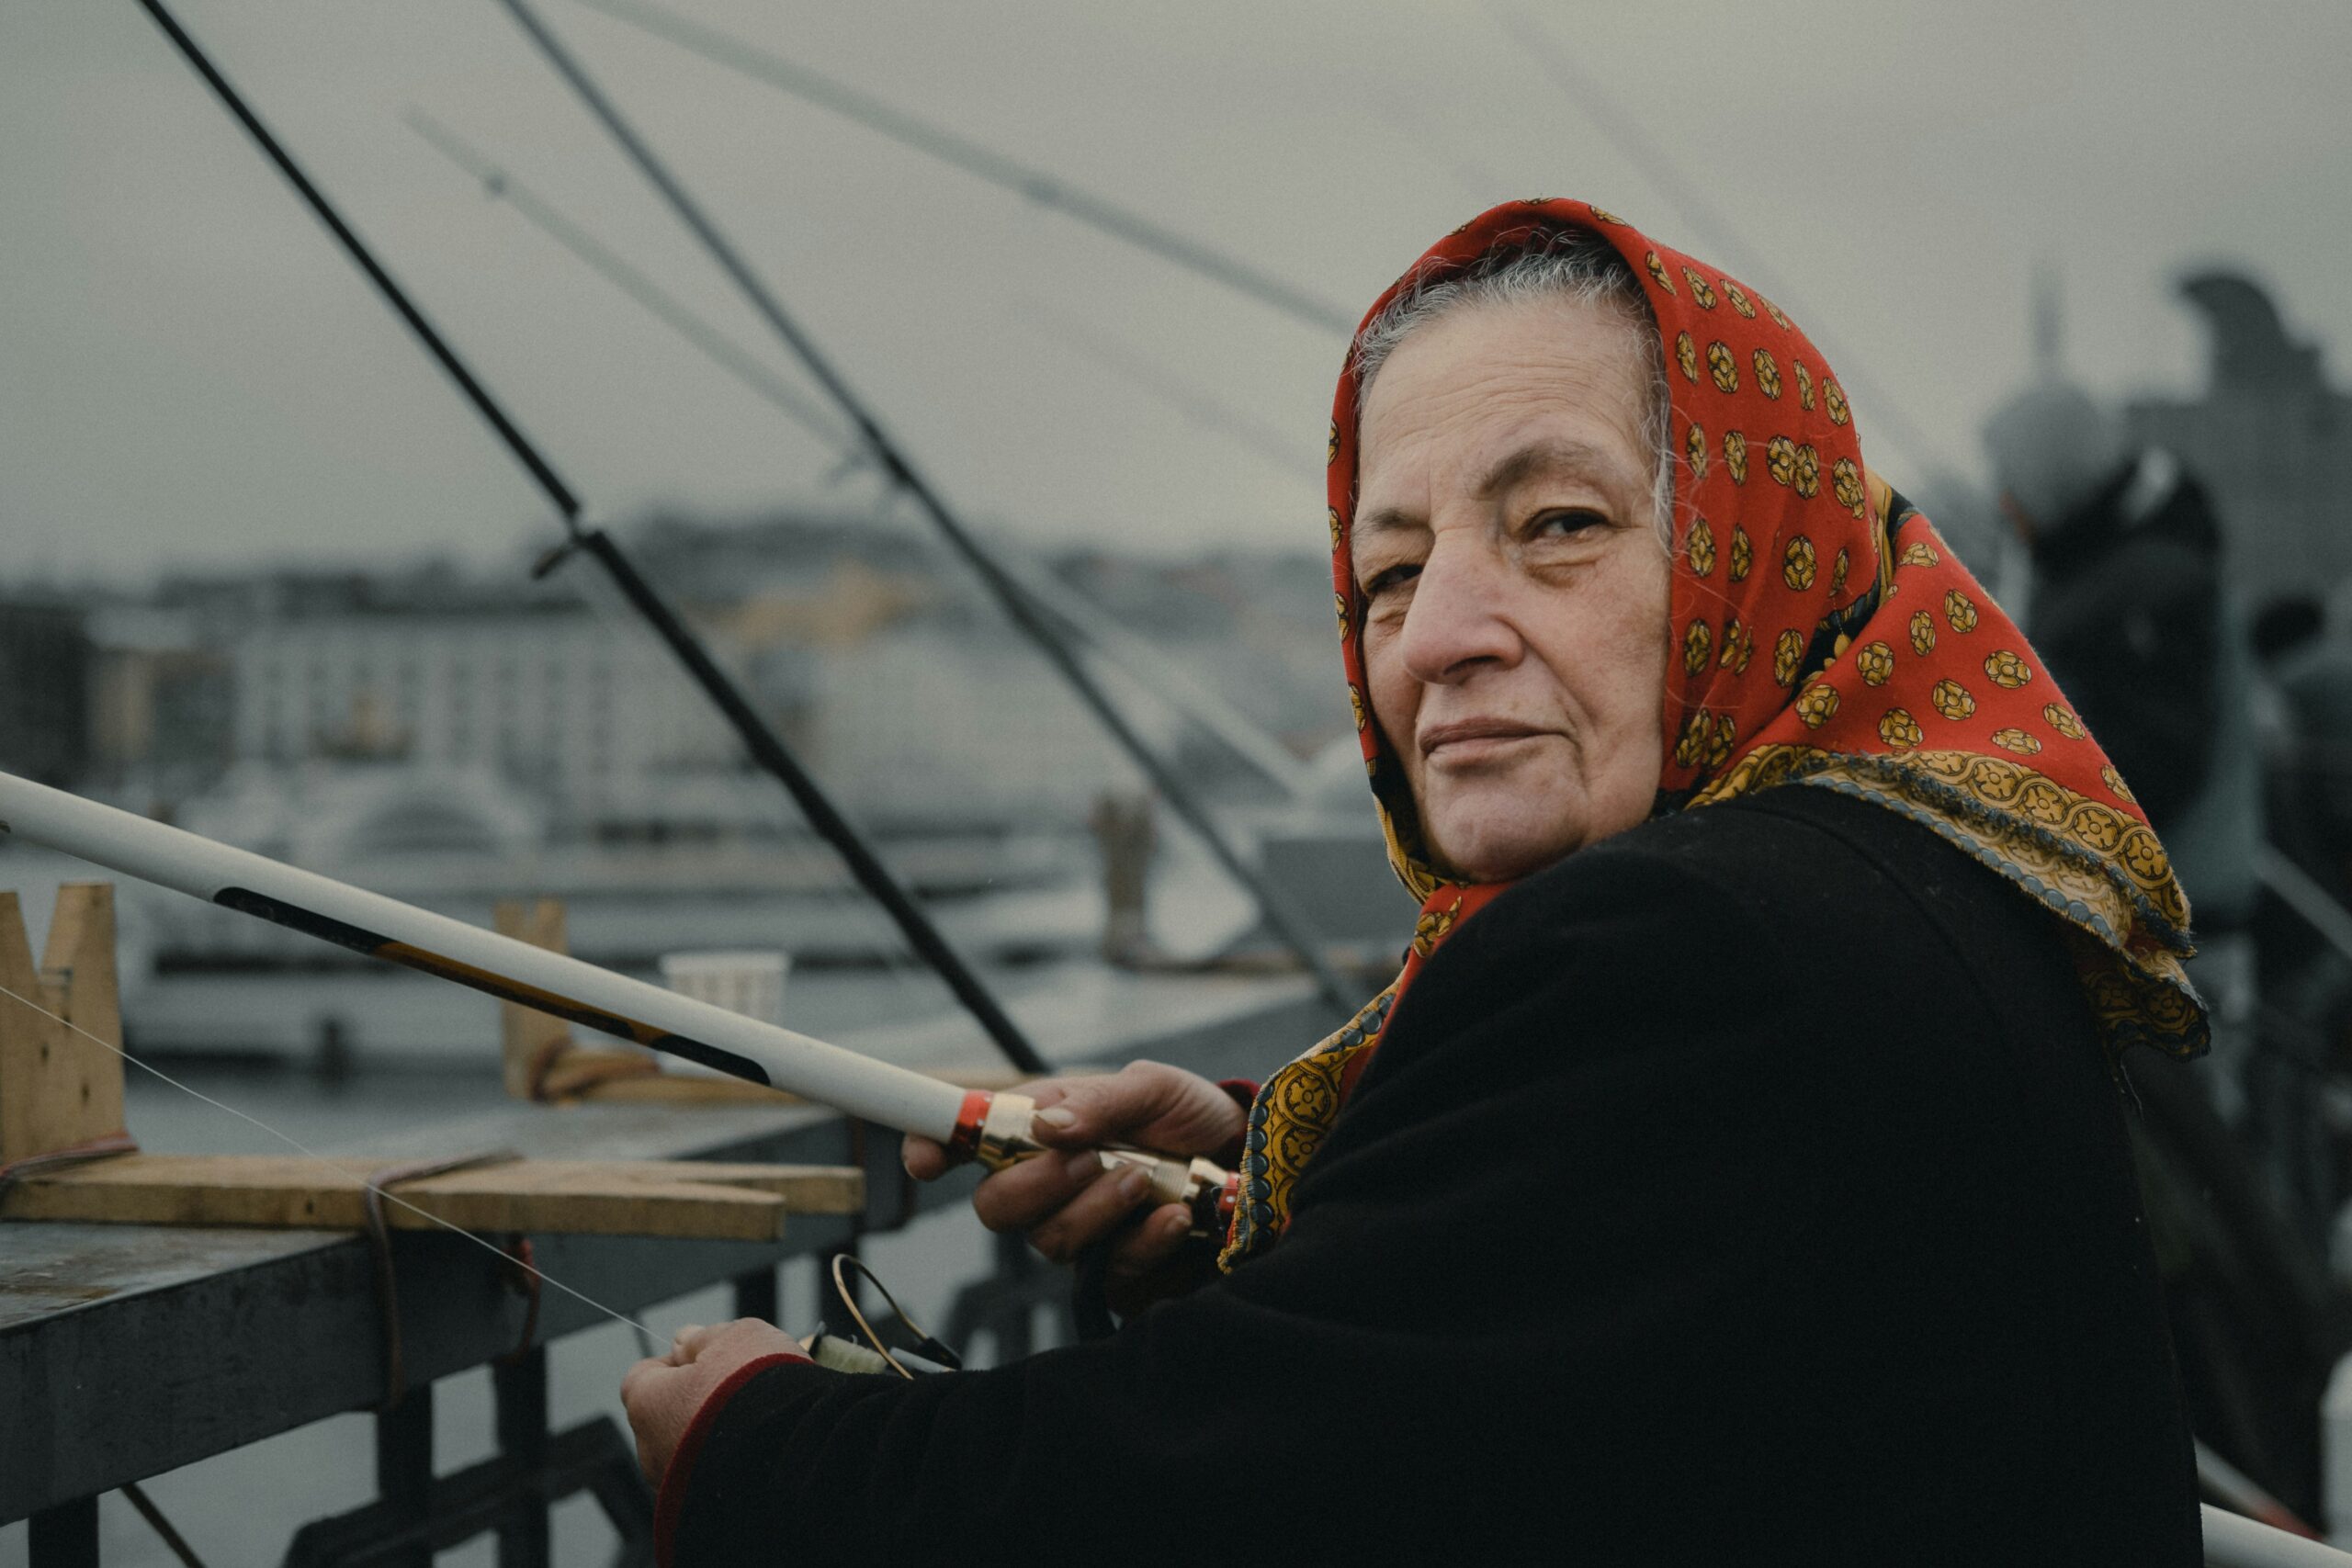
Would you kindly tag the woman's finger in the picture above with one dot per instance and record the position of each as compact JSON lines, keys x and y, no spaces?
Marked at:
{"x":924,"y":1160}
{"x":1145,"y":1246}
{"x":1024,"y":1195}
{"x":1094,"y":1213}
{"x":1150,"y":1102}
{"x":1108,"y":1109}
{"x":634,"y":1381}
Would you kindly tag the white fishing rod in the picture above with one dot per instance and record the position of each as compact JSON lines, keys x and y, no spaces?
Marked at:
{"x":975,"y":1124}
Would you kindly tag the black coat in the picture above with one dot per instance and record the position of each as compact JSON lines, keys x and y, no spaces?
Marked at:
{"x":1750,"y":1187}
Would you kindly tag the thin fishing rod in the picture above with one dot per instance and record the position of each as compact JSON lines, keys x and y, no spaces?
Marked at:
{"x":1032,"y":184}
{"x":758,"y":738}
{"x":1235,"y":730}
{"x":1286,"y":924}
{"x":1077,"y":618}
{"x":501,"y":186}
{"x":559,"y":494}
{"x":1654,"y":165}
{"x":1195,"y":404}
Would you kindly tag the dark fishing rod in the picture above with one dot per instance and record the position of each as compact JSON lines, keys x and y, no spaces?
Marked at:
{"x":1653,"y":163}
{"x":1078,"y":619}
{"x":1034,"y":185}
{"x":542,"y":215}
{"x":758,"y":738}
{"x":1286,"y":924}
{"x":1198,"y":404}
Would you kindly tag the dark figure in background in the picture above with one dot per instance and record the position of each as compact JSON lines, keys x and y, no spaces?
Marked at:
{"x":2306,"y":971}
{"x":2130,"y":610}
{"x":2309,"y":746}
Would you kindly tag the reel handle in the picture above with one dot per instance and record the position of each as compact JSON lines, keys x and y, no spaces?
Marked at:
{"x":994,"y":1129}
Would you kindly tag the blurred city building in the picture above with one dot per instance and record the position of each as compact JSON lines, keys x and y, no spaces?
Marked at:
{"x":549,"y":697}
{"x":910,"y":697}
{"x":45,"y":676}
{"x":2270,"y":437}
{"x":159,"y":704}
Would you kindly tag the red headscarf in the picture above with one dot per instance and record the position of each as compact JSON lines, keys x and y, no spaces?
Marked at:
{"x":1824,"y":636}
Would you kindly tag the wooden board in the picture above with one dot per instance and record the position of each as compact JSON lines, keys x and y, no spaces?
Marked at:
{"x":59,"y":1090}
{"x":653,"y":1198}
{"x":529,"y":1039}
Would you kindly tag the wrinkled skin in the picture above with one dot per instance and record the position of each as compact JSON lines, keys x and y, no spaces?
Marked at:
{"x":661,"y":1392}
{"x":1515,"y":621}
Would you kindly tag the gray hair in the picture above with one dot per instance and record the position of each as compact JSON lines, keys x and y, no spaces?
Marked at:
{"x":1573,"y":265}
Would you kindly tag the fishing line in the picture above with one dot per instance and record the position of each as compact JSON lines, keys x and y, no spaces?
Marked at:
{"x":309,"y":1153}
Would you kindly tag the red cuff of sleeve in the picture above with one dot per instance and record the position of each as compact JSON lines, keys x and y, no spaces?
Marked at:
{"x":673,"y":1497}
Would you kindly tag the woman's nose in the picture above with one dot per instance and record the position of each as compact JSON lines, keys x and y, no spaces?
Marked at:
{"x":1454,"y":625}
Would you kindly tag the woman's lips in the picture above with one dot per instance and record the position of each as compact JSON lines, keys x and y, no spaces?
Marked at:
{"x":1470,"y":740}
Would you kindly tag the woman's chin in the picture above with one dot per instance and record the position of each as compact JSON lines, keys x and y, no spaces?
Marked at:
{"x":1505,"y":851}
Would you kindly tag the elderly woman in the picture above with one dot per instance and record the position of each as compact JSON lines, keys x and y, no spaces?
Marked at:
{"x":1737,"y":1171}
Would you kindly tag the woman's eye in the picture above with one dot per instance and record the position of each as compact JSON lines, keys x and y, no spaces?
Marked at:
{"x":1392,"y":577}
{"x":1563,"y":523}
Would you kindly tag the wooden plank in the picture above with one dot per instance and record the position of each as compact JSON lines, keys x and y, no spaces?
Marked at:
{"x":78,"y":963}
{"x":653,"y":1198}
{"x":27,"y":1039}
{"x":609,"y":1198}
{"x":529,"y":1038}
{"x":57,"y":1090}
{"x":78,"y":966}
{"x":577,"y":1072}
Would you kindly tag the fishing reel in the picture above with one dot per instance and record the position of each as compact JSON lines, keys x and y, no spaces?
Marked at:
{"x":844,"y":1354}
{"x":995,"y":1130}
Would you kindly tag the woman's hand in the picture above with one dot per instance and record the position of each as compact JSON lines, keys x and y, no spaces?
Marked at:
{"x":662,"y":1394}
{"x":1066,"y":1201}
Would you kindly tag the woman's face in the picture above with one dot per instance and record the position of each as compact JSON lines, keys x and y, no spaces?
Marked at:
{"x":1515,"y":626}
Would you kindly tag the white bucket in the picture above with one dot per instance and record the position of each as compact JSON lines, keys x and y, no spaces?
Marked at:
{"x":750,"y":982}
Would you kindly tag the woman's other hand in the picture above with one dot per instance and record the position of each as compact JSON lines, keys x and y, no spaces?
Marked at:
{"x":663,"y":1393}
{"x":1064,"y":1200}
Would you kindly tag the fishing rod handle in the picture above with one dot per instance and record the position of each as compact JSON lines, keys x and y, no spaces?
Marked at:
{"x":997,"y":1131}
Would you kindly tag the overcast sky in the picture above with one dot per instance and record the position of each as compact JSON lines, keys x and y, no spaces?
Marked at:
{"x":190,"y":373}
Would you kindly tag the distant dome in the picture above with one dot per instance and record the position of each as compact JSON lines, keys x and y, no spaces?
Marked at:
{"x":406,"y":810}
{"x":324,"y":814}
